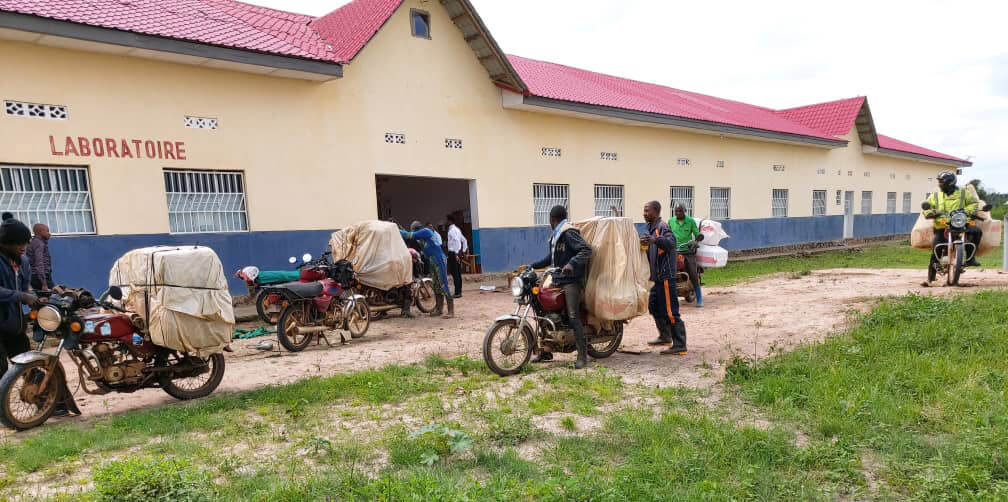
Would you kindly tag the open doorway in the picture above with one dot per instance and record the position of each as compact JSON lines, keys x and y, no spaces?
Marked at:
{"x":405,"y":199}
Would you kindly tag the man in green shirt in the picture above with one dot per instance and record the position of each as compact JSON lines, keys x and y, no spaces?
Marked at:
{"x":687,"y":235}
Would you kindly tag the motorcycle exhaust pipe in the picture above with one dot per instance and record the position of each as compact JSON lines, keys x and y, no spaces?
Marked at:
{"x":383,"y":308}
{"x":305,"y":330}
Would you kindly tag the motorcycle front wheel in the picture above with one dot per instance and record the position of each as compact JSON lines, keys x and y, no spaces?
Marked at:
{"x":423,"y":297}
{"x":955,"y":266}
{"x":295,"y":316}
{"x":25,"y":404}
{"x":359,"y":320}
{"x":201,"y":384}
{"x":605,"y":349}
{"x":507,"y":347}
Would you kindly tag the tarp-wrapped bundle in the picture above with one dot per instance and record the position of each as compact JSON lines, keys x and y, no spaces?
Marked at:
{"x":190,"y":307}
{"x":922,"y":234}
{"x":618,"y":276}
{"x":377,"y":251}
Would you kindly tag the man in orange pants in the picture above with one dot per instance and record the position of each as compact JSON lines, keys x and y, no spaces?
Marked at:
{"x":663,"y":302}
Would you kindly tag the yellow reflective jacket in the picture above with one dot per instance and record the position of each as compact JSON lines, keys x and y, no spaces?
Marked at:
{"x":960,"y":199}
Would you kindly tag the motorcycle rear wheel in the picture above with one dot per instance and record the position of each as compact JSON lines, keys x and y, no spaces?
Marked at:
{"x":512,"y":343}
{"x":186,"y":388}
{"x":606,"y":349}
{"x":16,"y":386}
{"x":359,"y":320}
{"x":292,"y":318}
{"x":423,"y":297}
{"x":264,"y":316}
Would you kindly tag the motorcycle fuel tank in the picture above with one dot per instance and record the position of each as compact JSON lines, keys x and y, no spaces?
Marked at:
{"x":113,"y":328}
{"x":552,"y":299}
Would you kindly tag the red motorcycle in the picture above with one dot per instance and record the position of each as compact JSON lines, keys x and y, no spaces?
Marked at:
{"x":542,"y":325}
{"x":113,"y":353}
{"x":268,"y":302}
{"x":311,"y":309}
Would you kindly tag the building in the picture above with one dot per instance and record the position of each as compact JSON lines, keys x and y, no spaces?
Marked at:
{"x":258,"y":132}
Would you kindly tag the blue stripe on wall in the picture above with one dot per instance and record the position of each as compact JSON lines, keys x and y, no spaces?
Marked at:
{"x":773,"y":232}
{"x":877,"y":225}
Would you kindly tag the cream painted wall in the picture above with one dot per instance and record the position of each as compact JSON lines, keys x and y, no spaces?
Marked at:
{"x":297,"y":141}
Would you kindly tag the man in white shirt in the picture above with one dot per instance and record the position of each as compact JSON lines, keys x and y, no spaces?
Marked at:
{"x":457,"y":246}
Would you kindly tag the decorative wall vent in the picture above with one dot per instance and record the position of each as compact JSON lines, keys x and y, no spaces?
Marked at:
{"x":850,"y":173}
{"x":451,"y":143}
{"x":821,"y":171}
{"x":778,"y":168}
{"x":395,"y":138}
{"x":720,"y":163}
{"x":867,"y":174}
{"x":683,"y":162}
{"x":892,"y":176}
{"x":908,"y":177}
{"x":550,"y":152}
{"x":608,"y":155}
{"x":37,"y":110}
{"x":201,"y":122}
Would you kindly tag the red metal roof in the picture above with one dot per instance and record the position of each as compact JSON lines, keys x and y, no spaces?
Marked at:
{"x":350,"y":27}
{"x":835,"y":118}
{"x":902,"y":146}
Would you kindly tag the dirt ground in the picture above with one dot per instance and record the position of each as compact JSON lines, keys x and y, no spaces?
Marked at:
{"x":751,"y":319}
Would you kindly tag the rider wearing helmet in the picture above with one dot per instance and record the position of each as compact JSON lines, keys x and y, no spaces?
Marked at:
{"x":948,"y":198}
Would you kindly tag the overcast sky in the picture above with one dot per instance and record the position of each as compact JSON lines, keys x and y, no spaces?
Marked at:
{"x":935,"y":72}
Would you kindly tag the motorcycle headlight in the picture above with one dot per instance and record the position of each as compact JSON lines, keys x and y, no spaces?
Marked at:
{"x":49,"y":318}
{"x":517,"y":286}
{"x":958,"y":220}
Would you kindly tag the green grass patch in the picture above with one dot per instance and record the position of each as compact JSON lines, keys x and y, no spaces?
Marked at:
{"x":152,"y":480}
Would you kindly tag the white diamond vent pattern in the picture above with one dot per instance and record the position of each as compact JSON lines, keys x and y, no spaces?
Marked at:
{"x":36,"y":110}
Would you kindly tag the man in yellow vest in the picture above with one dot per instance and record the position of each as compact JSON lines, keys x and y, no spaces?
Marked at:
{"x":948,"y":198}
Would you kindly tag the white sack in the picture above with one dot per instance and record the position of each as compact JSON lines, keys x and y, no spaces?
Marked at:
{"x":190,"y":306}
{"x":922,"y":234}
{"x":377,"y":251}
{"x":618,"y":275}
{"x":712,"y":232}
{"x":712,"y":256}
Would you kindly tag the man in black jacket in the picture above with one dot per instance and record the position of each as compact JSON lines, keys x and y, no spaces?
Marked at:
{"x":569,"y":251}
{"x":663,"y":302}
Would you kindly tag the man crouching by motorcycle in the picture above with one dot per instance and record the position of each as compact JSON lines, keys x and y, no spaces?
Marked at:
{"x":569,"y":251}
{"x":948,"y":198}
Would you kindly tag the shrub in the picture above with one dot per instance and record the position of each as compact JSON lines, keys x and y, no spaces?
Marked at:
{"x":151,"y":480}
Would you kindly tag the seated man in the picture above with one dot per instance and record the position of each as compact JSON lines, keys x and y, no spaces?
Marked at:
{"x":688,"y":236}
{"x":948,"y":198}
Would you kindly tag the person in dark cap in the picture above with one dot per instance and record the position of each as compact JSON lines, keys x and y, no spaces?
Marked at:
{"x":15,"y":273}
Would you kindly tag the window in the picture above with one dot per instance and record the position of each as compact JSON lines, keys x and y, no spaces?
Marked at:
{"x":420,"y":23}
{"x":890,"y":203}
{"x":907,"y":202}
{"x":608,"y":155}
{"x":36,"y":110}
{"x":205,"y":201}
{"x":544,"y":197}
{"x":867,"y":174}
{"x":608,"y":200}
{"x":779,"y":203}
{"x":866,"y":202}
{"x":681,"y":195}
{"x":818,"y":202}
{"x":720,"y":203}
{"x":683,"y":162}
{"x":395,"y":138}
{"x":551,"y":152}
{"x":720,"y":164}
{"x":778,"y":168}
{"x":850,"y":173}
{"x":453,"y":144}
{"x":57,"y":196}
{"x":839,"y":193}
{"x":200,"y":122}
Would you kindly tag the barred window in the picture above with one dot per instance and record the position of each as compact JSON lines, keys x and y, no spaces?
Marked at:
{"x":866,"y":202}
{"x":838,"y":197}
{"x":818,"y":202}
{"x":890,"y":203}
{"x":907,"y":203}
{"x":720,"y":203}
{"x":779,"y":202}
{"x":608,"y":200}
{"x":544,"y":197}
{"x":681,"y":195}
{"x":59,"y":197}
{"x":205,"y":201}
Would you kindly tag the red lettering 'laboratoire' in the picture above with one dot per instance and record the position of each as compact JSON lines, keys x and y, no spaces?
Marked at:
{"x":119,"y":148}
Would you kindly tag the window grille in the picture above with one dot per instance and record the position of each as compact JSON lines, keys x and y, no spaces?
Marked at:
{"x":866,"y":202}
{"x":681,"y":195}
{"x":37,"y":110}
{"x":59,"y":197}
{"x":544,"y":197}
{"x":608,"y":200}
{"x":608,"y":155}
{"x":551,"y":152}
{"x":720,"y":163}
{"x":890,"y":203}
{"x":453,"y":144}
{"x":867,"y":174}
{"x":821,"y":171}
{"x":850,"y":173}
{"x":200,"y":122}
{"x":907,"y":203}
{"x":778,"y":168}
{"x":818,"y":202}
{"x":838,"y":197}
{"x":683,"y":162}
{"x":720,"y":203}
{"x":205,"y":201}
{"x":395,"y":138}
{"x":779,"y":202}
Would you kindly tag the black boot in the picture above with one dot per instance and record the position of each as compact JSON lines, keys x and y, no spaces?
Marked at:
{"x":664,"y":332}
{"x":543,"y":357}
{"x":582,"y":351}
{"x":678,"y":347}
{"x":407,"y":303}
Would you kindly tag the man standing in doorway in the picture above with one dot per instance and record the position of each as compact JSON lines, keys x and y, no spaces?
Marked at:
{"x":688,"y":235}
{"x":38,"y":256}
{"x":436,"y":263}
{"x":457,"y":246}
{"x":663,"y":302}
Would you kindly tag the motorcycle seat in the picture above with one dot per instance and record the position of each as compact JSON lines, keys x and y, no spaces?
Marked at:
{"x":303,"y":289}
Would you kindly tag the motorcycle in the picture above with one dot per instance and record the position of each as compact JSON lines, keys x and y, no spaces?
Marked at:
{"x":684,"y":288}
{"x":956,"y":250}
{"x":540,"y":323}
{"x":268,"y":304}
{"x":112,"y":350}
{"x":421,"y":292}
{"x":311,"y":309}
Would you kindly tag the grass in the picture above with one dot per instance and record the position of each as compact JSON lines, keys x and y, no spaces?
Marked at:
{"x":883,"y":256}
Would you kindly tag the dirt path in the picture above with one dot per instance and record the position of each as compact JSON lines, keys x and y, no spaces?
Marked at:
{"x":749,"y":318}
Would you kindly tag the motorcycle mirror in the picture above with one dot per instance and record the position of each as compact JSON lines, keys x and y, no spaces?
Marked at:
{"x":926,"y":205}
{"x":307,"y":257}
{"x":116,"y":292}
{"x":292,"y":260}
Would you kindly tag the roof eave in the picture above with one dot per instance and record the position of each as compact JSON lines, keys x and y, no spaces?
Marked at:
{"x":916,"y":156}
{"x":89,"y":33}
{"x":507,"y":75}
{"x":680,"y":122}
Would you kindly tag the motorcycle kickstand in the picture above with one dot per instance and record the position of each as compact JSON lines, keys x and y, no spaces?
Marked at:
{"x":319,"y":338}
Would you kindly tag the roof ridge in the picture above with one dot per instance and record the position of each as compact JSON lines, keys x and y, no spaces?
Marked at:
{"x":269,"y":32}
{"x":830,"y":102}
{"x":265,"y":8}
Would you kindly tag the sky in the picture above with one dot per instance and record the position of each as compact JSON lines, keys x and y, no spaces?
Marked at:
{"x":935,"y":72}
